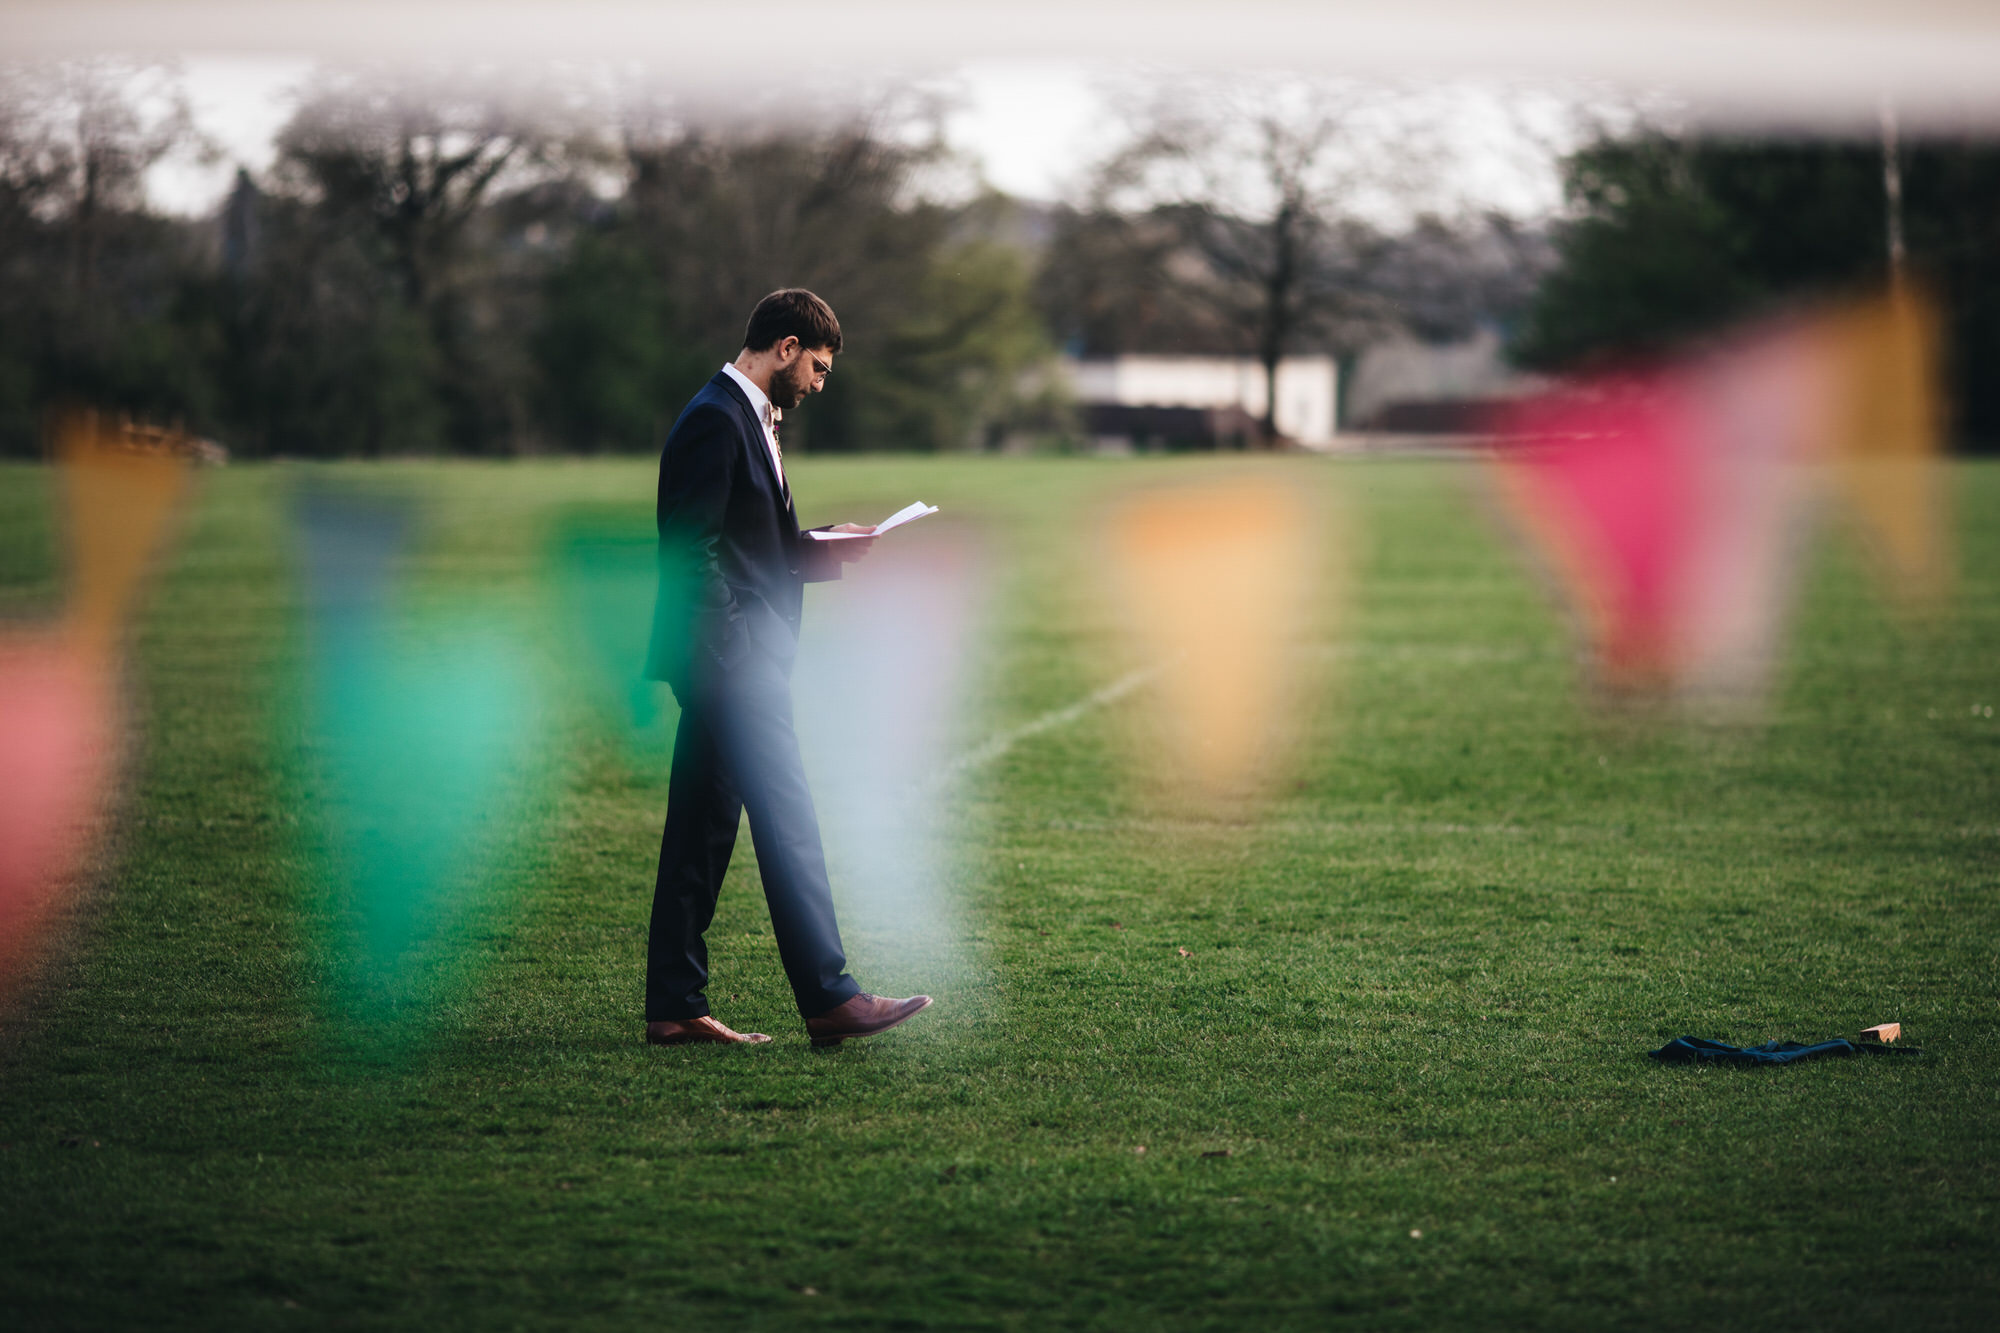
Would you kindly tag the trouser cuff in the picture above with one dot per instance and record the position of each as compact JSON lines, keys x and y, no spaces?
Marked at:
{"x":831,"y":998}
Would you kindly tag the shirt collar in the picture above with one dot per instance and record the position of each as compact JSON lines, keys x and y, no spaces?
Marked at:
{"x":759,"y":400}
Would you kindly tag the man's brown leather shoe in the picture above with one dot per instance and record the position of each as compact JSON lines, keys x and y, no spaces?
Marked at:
{"x":687,"y":1031}
{"x":863,"y":1016}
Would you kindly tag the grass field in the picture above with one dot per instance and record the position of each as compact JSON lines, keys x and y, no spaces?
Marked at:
{"x":1397,"y":1083}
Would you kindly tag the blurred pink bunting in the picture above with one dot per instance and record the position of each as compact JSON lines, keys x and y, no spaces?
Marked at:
{"x":59,"y":724}
{"x":1671,"y":501}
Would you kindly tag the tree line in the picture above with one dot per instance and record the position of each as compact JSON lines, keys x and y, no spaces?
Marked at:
{"x":424,"y":273}
{"x":465,"y":269}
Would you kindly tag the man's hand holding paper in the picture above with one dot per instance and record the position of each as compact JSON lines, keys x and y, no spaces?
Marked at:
{"x":856,"y":538}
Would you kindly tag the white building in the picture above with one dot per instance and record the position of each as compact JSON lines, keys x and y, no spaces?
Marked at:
{"x":1307,"y":388}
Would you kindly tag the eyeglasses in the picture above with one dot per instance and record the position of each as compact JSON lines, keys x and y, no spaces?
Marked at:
{"x":824,"y":368}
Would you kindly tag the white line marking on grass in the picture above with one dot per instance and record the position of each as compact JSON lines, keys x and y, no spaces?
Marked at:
{"x":995,"y":746}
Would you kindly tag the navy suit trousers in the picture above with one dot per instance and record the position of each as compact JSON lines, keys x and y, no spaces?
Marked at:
{"x":736,"y":750}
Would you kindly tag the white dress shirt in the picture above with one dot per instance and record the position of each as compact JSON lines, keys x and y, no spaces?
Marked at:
{"x":768,"y":413}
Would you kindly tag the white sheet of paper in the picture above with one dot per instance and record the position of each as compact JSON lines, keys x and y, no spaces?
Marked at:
{"x":908,"y":513}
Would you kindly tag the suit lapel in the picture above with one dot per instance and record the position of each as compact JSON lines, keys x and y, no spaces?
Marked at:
{"x":761,"y":446}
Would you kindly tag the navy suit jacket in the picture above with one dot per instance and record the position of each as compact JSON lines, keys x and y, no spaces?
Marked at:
{"x":733,"y":563}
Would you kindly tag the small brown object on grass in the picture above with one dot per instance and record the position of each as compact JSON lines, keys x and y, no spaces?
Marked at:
{"x":1882,"y":1032}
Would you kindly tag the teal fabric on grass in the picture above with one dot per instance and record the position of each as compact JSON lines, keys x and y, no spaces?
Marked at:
{"x":1700,"y":1050}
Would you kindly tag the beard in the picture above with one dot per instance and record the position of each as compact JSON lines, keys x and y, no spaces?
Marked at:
{"x":789,"y":387}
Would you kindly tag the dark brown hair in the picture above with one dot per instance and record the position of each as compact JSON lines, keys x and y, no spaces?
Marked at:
{"x":792,"y":312}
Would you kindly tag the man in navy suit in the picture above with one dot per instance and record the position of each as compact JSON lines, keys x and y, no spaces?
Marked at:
{"x":733,"y":565}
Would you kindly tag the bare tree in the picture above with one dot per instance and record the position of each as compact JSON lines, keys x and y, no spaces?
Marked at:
{"x":76,"y":140}
{"x":732,"y":208}
{"x":398,"y":175}
{"x":1268,"y":182}
{"x":420,"y":160}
